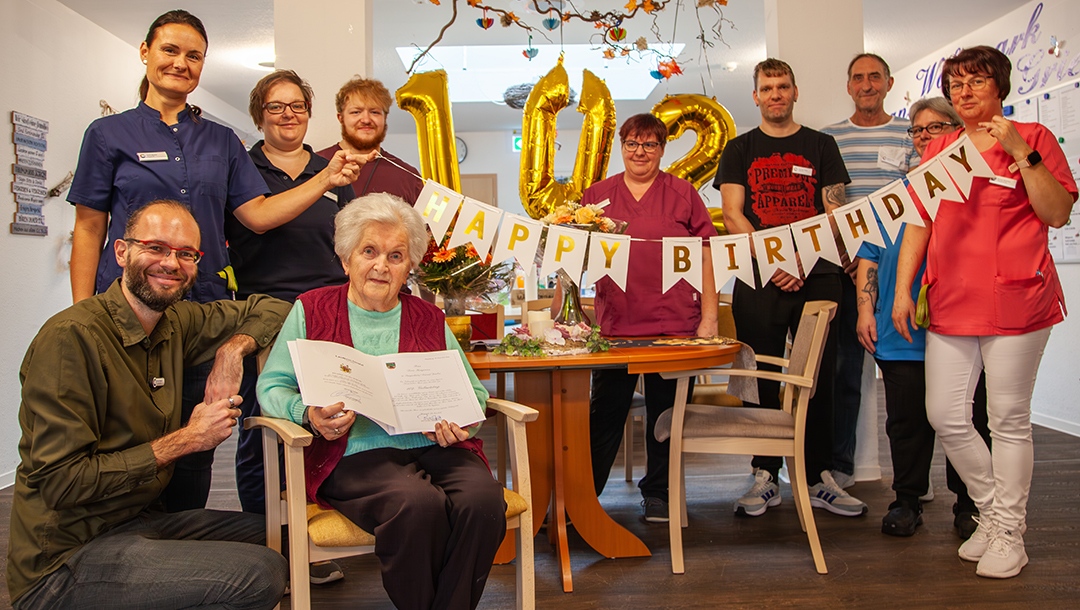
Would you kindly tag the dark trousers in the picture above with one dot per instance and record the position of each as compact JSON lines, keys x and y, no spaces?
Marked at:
{"x":438,"y":517}
{"x":609,"y":406}
{"x":982,"y":426}
{"x":848,"y":386}
{"x":911,"y":437}
{"x":189,"y":487}
{"x":198,"y":558}
{"x":763,"y":318}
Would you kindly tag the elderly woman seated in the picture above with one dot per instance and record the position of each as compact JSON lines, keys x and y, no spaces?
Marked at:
{"x":436,"y":511}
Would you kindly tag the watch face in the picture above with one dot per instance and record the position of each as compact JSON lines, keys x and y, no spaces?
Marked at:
{"x":462,"y":149}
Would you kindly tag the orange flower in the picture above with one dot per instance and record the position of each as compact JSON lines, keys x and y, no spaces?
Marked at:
{"x":444,"y":255}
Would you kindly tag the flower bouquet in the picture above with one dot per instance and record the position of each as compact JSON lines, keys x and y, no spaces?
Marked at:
{"x":464,"y":280}
{"x":560,"y":340}
{"x":585,"y":217}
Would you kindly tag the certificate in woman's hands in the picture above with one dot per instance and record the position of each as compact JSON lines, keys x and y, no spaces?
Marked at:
{"x":402,"y":393}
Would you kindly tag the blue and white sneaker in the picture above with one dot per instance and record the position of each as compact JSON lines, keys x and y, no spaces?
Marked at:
{"x":762,"y":495}
{"x":828,"y":495}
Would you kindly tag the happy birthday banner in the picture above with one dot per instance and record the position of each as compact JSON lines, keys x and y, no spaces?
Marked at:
{"x":948,"y":176}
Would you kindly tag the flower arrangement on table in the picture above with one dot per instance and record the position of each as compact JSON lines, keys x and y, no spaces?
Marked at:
{"x":557,"y":340}
{"x":464,"y":280}
{"x":585,"y":217}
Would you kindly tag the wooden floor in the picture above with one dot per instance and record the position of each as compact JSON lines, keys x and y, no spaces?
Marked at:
{"x":765,"y":562}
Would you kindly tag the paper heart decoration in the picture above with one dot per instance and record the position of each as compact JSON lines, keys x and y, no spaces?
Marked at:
{"x":485,"y":22}
{"x":551,"y":23}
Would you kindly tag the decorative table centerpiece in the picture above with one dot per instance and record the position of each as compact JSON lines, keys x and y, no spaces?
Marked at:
{"x":554,"y":340}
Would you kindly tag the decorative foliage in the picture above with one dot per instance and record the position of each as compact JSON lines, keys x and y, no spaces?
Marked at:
{"x":562,"y":339}
{"x":609,"y":25}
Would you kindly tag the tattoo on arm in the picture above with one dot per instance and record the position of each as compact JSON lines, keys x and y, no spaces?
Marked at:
{"x":833,"y":196}
{"x":871,"y":287}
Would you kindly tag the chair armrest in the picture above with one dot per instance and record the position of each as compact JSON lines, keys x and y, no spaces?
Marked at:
{"x":513,"y":410}
{"x":804,"y":382}
{"x":289,"y":433}
{"x":778,"y":361}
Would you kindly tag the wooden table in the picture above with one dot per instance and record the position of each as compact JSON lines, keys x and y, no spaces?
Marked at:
{"x":559,"y":447}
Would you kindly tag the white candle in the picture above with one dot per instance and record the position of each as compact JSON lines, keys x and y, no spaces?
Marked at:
{"x":539,"y":327}
{"x":539,"y":316}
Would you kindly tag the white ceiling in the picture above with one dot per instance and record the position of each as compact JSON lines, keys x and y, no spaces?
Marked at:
{"x":902,"y":32}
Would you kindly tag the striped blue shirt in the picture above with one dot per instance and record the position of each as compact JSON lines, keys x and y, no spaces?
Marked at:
{"x":874,"y":156}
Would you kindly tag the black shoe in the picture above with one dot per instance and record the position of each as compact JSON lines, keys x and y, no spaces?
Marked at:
{"x":964,"y":521}
{"x":902,"y":519}
{"x":655,"y":510}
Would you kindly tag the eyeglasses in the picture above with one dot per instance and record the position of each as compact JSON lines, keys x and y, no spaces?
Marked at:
{"x":279,"y":107}
{"x":161,"y":250}
{"x":632,"y":146}
{"x":931,"y":128}
{"x":977,"y":84}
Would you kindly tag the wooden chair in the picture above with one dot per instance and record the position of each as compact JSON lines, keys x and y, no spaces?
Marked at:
{"x":696,"y":428}
{"x":330,"y":535}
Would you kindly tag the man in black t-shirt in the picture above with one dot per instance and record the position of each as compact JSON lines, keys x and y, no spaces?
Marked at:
{"x":771,"y":176}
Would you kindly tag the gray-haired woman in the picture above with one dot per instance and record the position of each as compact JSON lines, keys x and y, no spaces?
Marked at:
{"x":438,"y":514}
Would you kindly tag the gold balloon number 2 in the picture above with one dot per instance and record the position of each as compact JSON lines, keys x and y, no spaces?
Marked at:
{"x":426,"y":96}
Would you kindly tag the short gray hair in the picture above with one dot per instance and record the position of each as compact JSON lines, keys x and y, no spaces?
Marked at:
{"x":383,"y":209}
{"x":939,"y":105}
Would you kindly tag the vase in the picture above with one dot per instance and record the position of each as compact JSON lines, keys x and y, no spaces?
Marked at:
{"x":454,"y":304}
{"x":571,"y":312}
{"x":461,"y":326}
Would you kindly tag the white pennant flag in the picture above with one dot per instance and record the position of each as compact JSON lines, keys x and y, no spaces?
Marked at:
{"x":731,"y":257}
{"x":932,"y":185}
{"x":857,"y":224}
{"x":476,"y":223}
{"x":519,"y":238}
{"x":438,"y":204}
{"x":894,"y":206}
{"x":775,"y":249}
{"x":565,"y":248}
{"x":964,"y":162}
{"x":609,"y":255}
{"x":682,"y":260}
{"x":814,"y":240}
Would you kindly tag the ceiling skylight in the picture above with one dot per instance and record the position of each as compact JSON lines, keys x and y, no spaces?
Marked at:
{"x":483,"y":73}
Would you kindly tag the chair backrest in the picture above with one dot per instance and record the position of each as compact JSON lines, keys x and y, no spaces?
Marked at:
{"x":587,"y":303}
{"x":489,"y":324}
{"x":808,"y":348}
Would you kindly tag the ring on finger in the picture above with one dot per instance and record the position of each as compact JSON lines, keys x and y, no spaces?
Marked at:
{"x":231,"y":402}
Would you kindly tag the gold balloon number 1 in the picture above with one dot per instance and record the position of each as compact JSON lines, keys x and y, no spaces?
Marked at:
{"x":426,"y":96}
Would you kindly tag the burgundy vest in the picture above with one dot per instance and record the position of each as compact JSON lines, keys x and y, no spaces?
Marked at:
{"x":326,"y":316}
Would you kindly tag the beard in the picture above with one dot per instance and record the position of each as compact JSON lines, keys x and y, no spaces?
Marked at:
{"x":358,"y":143}
{"x":137,"y":284}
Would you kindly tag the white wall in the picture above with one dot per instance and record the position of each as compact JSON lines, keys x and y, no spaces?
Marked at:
{"x":56,"y":66}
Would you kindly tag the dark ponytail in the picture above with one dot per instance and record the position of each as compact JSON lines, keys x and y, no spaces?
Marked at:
{"x":181,"y":17}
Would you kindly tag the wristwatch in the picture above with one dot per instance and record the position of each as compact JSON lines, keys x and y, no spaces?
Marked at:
{"x":305,"y":423}
{"x":1032,"y":160}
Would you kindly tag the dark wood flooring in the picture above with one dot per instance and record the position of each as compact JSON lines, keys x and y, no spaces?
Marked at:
{"x":765,"y":562}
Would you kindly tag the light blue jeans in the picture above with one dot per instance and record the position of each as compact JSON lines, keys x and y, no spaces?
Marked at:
{"x":194,"y":559}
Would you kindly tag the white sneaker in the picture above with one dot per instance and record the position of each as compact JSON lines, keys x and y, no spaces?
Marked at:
{"x":843,"y":479}
{"x":763,"y":494}
{"x":828,"y":495}
{"x":1004,"y":557}
{"x":974,"y":547}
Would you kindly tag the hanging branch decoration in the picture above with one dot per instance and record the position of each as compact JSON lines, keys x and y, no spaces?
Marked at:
{"x":610,"y":33}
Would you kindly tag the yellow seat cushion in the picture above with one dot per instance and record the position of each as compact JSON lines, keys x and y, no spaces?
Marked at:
{"x":329,"y":528}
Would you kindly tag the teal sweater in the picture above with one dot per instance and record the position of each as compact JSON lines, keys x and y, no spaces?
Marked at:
{"x":373,"y":333}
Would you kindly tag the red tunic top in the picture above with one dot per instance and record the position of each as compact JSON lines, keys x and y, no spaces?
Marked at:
{"x":988,"y":266}
{"x":670,"y":208}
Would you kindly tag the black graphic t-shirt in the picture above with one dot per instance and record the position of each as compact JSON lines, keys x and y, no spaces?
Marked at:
{"x":783,"y":177}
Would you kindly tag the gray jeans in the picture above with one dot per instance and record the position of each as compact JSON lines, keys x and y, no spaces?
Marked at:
{"x":197,"y":558}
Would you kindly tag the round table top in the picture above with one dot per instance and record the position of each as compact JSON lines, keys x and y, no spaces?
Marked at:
{"x":646,"y":359}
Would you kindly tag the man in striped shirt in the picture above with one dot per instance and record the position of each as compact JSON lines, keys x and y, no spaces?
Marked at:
{"x":877,"y":150}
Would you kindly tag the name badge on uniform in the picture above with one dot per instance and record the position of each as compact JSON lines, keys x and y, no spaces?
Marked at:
{"x":802,"y":171}
{"x":890,"y":157}
{"x":153,"y":156}
{"x":332,"y":196}
{"x":1008,"y":183}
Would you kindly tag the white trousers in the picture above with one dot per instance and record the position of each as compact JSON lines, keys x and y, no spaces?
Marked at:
{"x":998,"y":483}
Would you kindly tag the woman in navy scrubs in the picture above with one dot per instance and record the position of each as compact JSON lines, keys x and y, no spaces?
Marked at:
{"x":163,"y":149}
